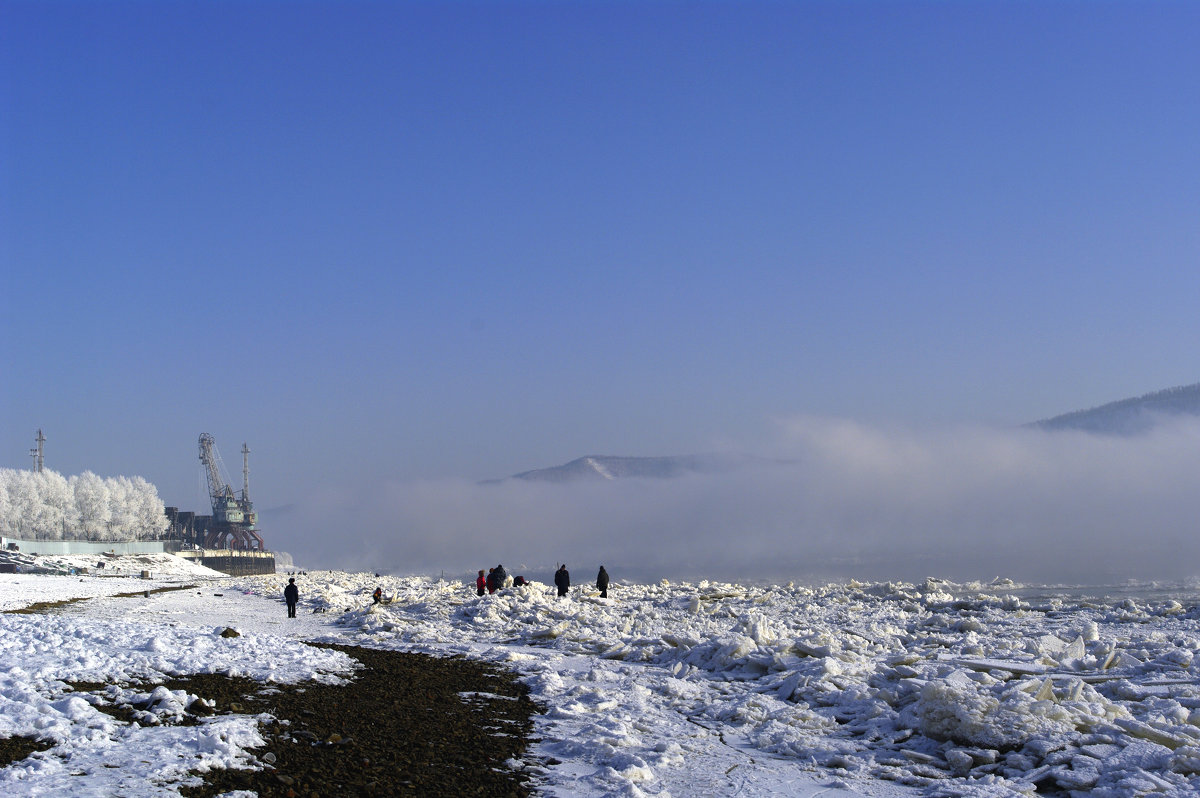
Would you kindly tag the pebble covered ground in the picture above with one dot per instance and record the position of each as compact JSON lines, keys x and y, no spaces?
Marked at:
{"x":404,"y":724}
{"x":407,"y":724}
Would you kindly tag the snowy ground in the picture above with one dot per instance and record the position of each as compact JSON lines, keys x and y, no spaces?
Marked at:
{"x":669,"y":689}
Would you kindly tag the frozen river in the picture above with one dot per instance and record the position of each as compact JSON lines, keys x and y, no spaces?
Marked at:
{"x":685,"y":689}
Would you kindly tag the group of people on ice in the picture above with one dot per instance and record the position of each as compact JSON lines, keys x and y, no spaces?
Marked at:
{"x":497,"y":578}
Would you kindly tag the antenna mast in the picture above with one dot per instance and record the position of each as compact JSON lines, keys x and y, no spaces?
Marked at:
{"x":39,"y":453}
{"x":245,"y":472}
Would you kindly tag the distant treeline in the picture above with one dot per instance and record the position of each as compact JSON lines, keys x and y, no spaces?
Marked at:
{"x":49,"y":506}
{"x":1130,"y":416}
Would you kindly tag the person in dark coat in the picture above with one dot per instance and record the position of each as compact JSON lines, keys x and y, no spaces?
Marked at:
{"x":562,"y":578}
{"x":491,"y":580}
{"x":291,"y":594}
{"x":602,"y":582}
{"x":501,"y":577}
{"x":480,"y":583}
{"x":377,"y":595}
{"x":519,"y":582}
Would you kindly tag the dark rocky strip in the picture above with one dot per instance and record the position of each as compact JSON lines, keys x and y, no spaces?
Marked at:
{"x":407,"y":724}
{"x":14,"y":749}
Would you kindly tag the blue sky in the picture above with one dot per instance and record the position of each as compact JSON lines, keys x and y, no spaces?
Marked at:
{"x":403,"y":241}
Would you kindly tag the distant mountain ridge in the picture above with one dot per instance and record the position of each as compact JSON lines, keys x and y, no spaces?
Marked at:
{"x":1129,"y":416}
{"x":1124,"y":417}
{"x":603,"y":468}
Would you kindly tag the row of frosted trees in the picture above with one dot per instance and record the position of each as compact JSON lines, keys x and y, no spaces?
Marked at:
{"x":48,"y":506}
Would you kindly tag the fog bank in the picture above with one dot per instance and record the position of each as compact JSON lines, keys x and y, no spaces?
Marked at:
{"x":836,"y":500}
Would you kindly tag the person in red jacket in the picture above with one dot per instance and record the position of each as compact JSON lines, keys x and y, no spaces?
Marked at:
{"x":480,"y":583}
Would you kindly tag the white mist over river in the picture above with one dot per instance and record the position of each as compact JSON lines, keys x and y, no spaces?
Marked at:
{"x":828,"y":499}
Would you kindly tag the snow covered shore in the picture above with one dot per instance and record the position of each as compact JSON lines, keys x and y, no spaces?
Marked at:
{"x":669,"y":689}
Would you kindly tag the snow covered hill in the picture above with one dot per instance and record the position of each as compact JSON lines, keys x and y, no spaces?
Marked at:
{"x":1130,"y":416}
{"x":1124,"y":417}
{"x":597,"y":468}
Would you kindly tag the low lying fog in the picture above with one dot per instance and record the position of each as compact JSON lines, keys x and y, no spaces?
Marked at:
{"x":834,"y":499}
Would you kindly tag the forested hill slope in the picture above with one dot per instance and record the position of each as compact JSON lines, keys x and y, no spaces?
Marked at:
{"x":1130,"y":416}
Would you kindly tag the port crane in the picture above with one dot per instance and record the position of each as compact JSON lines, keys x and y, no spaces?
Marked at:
{"x":234,"y":523}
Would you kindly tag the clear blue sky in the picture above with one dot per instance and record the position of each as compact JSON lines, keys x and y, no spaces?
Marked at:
{"x":417,"y":240}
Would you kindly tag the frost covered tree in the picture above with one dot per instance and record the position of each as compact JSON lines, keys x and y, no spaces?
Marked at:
{"x":49,"y":506}
{"x":5,"y":504}
{"x":28,"y":512}
{"x":120,"y":525}
{"x":40,"y":506}
{"x":22,"y":499}
{"x":150,"y":520}
{"x":92,"y":504}
{"x":59,"y":518}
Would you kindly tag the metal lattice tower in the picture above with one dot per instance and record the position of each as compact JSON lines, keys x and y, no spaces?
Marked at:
{"x":245,"y":472}
{"x":39,"y":454}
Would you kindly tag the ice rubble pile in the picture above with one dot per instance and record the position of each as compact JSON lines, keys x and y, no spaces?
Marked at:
{"x":948,"y":688}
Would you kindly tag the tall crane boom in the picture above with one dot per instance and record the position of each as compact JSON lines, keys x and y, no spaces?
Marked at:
{"x":232,"y":517}
{"x":224,"y":504}
{"x":208,"y":456}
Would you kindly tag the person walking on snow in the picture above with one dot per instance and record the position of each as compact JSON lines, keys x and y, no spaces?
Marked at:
{"x":562,"y":578}
{"x":480,"y":583}
{"x":602,"y":582}
{"x":291,"y":594}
